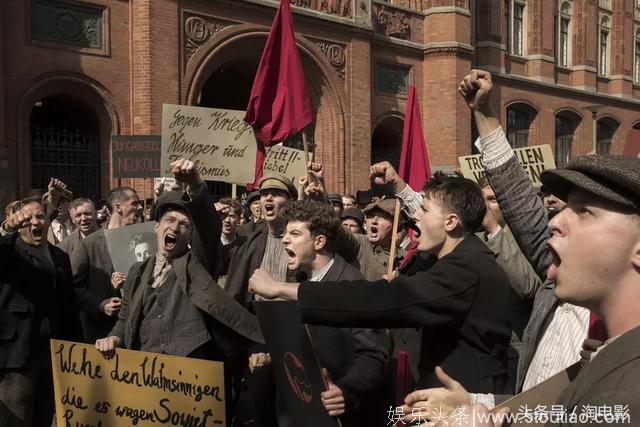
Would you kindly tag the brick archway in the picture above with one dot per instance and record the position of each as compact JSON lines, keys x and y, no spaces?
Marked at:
{"x":95,"y":97}
{"x":243,"y":44}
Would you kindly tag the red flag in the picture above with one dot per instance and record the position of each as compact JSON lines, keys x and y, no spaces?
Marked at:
{"x":279,"y":104}
{"x":414,"y":161}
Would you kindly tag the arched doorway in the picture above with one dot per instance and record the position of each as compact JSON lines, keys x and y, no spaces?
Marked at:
{"x":386,"y":141}
{"x":220,"y":75}
{"x":65,"y":142}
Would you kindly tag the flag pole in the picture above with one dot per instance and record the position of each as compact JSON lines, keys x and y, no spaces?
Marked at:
{"x":234,"y":191}
{"x":394,"y":239}
{"x":305,"y":146}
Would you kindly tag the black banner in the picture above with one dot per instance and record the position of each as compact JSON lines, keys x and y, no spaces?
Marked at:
{"x":135,"y":156}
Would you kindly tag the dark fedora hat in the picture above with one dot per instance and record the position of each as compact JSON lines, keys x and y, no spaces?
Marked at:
{"x":612,"y":177}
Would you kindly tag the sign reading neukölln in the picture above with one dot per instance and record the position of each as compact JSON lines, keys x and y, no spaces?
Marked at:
{"x":220,"y":143}
{"x":286,"y":161}
{"x":134,"y":388}
{"x":534,"y":161}
{"x":135,"y":156}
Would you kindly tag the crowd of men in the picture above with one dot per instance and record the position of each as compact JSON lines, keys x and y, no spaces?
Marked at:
{"x":495,"y":286}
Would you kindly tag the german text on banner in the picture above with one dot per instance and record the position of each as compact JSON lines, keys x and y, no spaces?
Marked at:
{"x":220,"y":143}
{"x":135,"y":388}
{"x":534,"y":161}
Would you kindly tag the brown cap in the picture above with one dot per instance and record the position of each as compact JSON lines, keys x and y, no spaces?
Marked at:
{"x":387,"y":206}
{"x":279,"y":182}
{"x":611,"y":177}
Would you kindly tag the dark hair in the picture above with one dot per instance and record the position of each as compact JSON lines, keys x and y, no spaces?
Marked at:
{"x":118,"y":195}
{"x":459,"y":196}
{"x":483,"y":182}
{"x":233,"y":204}
{"x":26,"y":201}
{"x":79,"y":202}
{"x":321,"y":219}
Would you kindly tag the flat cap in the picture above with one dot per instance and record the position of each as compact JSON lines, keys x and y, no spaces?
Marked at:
{"x":170,"y":201}
{"x":387,"y":206}
{"x":253,"y":196}
{"x":353,"y":213}
{"x":279,"y":182}
{"x":612,"y":177}
{"x":334,"y":197}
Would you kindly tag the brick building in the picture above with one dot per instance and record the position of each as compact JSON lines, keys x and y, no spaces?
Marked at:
{"x":72,"y":73}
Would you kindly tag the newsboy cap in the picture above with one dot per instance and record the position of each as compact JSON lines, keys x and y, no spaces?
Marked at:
{"x":612,"y":177}
{"x":171,"y":201}
{"x":279,"y":182}
{"x":387,"y":206}
{"x":353,"y":213}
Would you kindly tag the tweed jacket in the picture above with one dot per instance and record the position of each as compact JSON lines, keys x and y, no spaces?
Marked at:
{"x":460,"y":303}
{"x":92,"y":269}
{"x":227,"y":321}
{"x":524,"y":212}
{"x":609,"y":380}
{"x":36,"y":301}
{"x":71,"y":243}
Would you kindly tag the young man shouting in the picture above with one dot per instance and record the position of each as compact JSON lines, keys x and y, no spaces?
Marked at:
{"x":462,"y":303}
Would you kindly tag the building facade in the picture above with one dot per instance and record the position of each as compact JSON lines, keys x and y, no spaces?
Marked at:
{"x":73,"y":73}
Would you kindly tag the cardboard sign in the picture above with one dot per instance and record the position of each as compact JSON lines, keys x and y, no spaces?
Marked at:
{"x":545,"y":395}
{"x":134,"y":388}
{"x":534,"y":161}
{"x":298,"y":374}
{"x":220,"y":143}
{"x":167,"y":183}
{"x":135,"y":156}
{"x":130,"y":244}
{"x":286,"y":161}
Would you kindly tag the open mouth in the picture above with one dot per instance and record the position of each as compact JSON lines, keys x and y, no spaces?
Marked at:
{"x":36,"y":232}
{"x":269,"y":209}
{"x":170,"y":241}
{"x":552,"y":271}
{"x":291,"y":255}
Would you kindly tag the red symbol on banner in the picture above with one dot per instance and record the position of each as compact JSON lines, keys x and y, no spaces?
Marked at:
{"x":297,"y":376}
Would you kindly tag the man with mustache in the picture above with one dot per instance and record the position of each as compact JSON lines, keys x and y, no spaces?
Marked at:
{"x":37,"y":304}
{"x":83,"y":215}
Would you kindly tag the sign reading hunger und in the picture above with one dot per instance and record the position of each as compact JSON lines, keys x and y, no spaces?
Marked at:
{"x":219,"y":142}
{"x":134,"y":388}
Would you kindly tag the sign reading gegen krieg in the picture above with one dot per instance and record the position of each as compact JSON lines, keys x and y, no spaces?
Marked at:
{"x":134,"y":388}
{"x":534,"y":161}
{"x":220,"y":143}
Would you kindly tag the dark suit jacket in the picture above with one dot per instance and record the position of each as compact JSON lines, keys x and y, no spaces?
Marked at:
{"x":92,"y":269}
{"x":461,"y":303}
{"x":36,"y":301}
{"x":356,"y":359}
{"x":71,"y":243}
{"x":227,"y":320}
{"x":610,"y":379}
{"x":524,"y":212}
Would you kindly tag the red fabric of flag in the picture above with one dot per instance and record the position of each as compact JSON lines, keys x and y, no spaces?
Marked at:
{"x":414,"y":161}
{"x":279,"y":104}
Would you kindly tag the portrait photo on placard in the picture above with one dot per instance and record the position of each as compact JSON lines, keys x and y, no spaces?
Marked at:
{"x":131,"y":244}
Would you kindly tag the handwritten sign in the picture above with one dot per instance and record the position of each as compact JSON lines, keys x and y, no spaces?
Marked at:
{"x":534,"y":161}
{"x":135,"y":156}
{"x":286,"y":161}
{"x":220,"y":143}
{"x":134,"y":388}
{"x":167,"y":183}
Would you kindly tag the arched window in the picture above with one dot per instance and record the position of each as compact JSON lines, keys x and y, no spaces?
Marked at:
{"x":566,"y":124}
{"x":519,"y":119}
{"x":605,"y":130}
{"x":386,"y":141}
{"x":603,"y":48}
{"x":564,"y":35}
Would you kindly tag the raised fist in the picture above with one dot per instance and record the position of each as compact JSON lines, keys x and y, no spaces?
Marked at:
{"x":475,"y":88}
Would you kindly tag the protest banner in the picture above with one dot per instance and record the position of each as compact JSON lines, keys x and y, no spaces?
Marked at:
{"x":219,"y":142}
{"x":130,"y":244}
{"x":534,"y":161}
{"x":286,"y":161}
{"x":134,"y":388}
{"x":135,"y":156}
{"x":298,"y":375}
{"x":167,"y":183}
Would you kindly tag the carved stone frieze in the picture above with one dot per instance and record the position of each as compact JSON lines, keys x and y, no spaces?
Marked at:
{"x":391,"y":78}
{"x":335,"y":53}
{"x":197,"y":30}
{"x":446,"y":51}
{"x":68,"y":24}
{"x":332,"y":7}
{"x":393,"y":23}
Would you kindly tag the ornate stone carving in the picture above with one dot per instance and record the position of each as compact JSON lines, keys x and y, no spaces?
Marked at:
{"x":197,"y":30}
{"x":70,"y":24}
{"x":394,"y":23}
{"x":446,"y":51}
{"x":333,"y":7}
{"x":335,"y":53}
{"x":391,"y":78}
